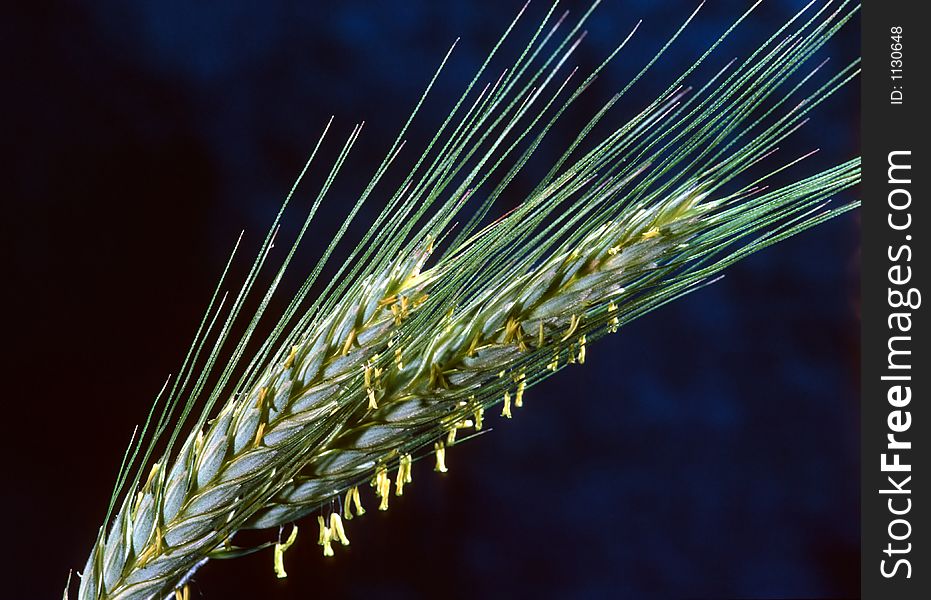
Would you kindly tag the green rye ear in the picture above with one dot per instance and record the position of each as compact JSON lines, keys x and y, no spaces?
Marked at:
{"x":441,"y":314}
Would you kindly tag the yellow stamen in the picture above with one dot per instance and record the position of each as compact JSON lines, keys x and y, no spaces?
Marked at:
{"x":382,"y":486}
{"x":368,"y":388}
{"x":151,"y":476}
{"x":582,"y":350}
{"x":404,"y":474}
{"x":372,"y":382}
{"x":387,"y":301}
{"x":259,"y":433}
{"x":519,"y":396}
{"x":280,"y":549}
{"x":573,"y":325}
{"x":262,"y":393}
{"x":437,"y":377}
{"x":513,"y":332}
{"x":347,"y":505}
{"x":350,"y":338}
{"x":613,"y":323}
{"x":336,"y":529}
{"x":651,"y":233}
{"x":326,"y":537}
{"x":451,"y":436}
{"x":473,"y":345}
{"x":397,"y":358}
{"x":352,"y":496}
{"x":479,"y":414}
{"x":440,"y":457}
{"x":145,"y":555}
{"x":540,"y":336}
{"x":357,"y":501}
{"x":506,"y":409}
{"x":290,"y":360}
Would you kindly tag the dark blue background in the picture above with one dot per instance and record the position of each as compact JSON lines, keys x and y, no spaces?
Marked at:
{"x":708,"y":450}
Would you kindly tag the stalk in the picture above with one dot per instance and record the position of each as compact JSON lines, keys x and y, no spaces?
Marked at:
{"x":405,"y":348}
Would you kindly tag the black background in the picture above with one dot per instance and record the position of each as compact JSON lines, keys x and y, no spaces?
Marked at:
{"x":708,"y":450}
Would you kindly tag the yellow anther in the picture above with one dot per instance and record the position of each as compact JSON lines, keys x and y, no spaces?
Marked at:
{"x":506,"y":409}
{"x":540,"y":337}
{"x":291,"y":355}
{"x":183,"y":593}
{"x":438,"y":377}
{"x":280,"y":549}
{"x":372,"y":383}
{"x":582,"y":350}
{"x":510,"y":328}
{"x":554,"y":364}
{"x":259,"y":433}
{"x":451,"y":436}
{"x":397,"y":358}
{"x":404,"y":474}
{"x":357,"y":501}
{"x":473,"y":345}
{"x":382,"y":486}
{"x":387,"y":301}
{"x":613,"y":322}
{"x":350,"y":338}
{"x":145,"y":555}
{"x":262,"y":393}
{"x":323,"y":529}
{"x":651,"y":233}
{"x":326,"y":537}
{"x":336,"y":529}
{"x":574,"y":321}
{"x":152,"y":473}
{"x":347,"y":505}
{"x":352,"y":497}
{"x":514,"y":332}
{"x":479,"y":414}
{"x":440,"y":450}
{"x":519,"y":396}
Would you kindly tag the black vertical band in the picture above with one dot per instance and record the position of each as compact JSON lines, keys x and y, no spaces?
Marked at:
{"x":896,"y":437}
